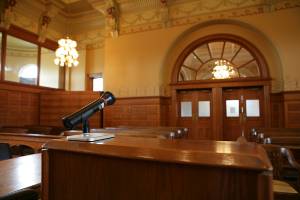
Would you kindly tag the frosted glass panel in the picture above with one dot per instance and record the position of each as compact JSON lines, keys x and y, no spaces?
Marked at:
{"x":252,"y":108}
{"x":204,"y":108}
{"x":232,"y":108}
{"x":186,"y":109}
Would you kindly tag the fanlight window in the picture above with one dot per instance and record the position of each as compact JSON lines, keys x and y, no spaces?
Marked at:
{"x":219,"y":60}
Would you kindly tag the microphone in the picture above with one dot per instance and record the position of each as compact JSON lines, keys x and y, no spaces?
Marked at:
{"x":80,"y":116}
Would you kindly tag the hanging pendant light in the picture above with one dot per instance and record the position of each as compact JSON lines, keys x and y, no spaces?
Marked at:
{"x":66,"y":53}
{"x":224,"y":70}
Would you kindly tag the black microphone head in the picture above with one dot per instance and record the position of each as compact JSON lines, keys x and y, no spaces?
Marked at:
{"x":108,"y":98}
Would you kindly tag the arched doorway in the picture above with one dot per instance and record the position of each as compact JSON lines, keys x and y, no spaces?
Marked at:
{"x":220,"y":88}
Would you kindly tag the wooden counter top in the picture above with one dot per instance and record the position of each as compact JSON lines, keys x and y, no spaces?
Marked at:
{"x":19,"y":173}
{"x":212,"y":153}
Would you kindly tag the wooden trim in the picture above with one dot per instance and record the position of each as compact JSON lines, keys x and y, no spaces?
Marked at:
{"x":197,"y":57}
{"x":236,"y":53}
{"x":38,"y":66}
{"x":267,"y":104}
{"x":3,"y":56}
{"x":209,"y":51}
{"x":221,"y":83}
{"x":223,"y":49}
{"x":23,"y":34}
{"x":8,"y":85}
{"x":45,"y":174}
{"x":190,"y":68}
{"x":243,"y":65}
{"x":217,"y":113}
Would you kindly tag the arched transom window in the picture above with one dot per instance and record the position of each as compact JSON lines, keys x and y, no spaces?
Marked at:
{"x":219,"y":59}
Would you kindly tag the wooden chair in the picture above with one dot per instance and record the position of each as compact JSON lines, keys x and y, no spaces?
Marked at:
{"x":281,"y":158}
{"x":5,"y":152}
{"x":21,"y":150}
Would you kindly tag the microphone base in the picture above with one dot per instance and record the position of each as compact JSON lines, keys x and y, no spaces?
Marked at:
{"x":90,"y":137}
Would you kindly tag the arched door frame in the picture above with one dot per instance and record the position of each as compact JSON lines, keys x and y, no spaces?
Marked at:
{"x":216,"y":86}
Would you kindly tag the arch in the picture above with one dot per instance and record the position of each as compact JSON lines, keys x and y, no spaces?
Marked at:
{"x":264,"y":72}
{"x":225,"y":27}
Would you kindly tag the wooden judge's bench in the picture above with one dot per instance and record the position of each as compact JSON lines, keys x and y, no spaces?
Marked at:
{"x":133,"y":168}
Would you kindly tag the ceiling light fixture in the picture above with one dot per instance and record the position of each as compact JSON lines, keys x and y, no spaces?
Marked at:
{"x":66,"y":53}
{"x":223,"y":70}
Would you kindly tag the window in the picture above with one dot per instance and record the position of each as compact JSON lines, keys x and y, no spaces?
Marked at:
{"x":21,"y":61}
{"x":51,"y":75}
{"x":28,"y":74}
{"x":98,"y":84}
{"x":29,"y":62}
{"x":232,"y":108}
{"x":204,"y":108}
{"x":252,"y":108}
{"x":186,"y":108}
{"x":200,"y":62}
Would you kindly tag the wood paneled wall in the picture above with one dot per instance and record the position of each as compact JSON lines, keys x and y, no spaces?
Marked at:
{"x":138,"y":111}
{"x":285,"y":109}
{"x":291,"y":109}
{"x":19,"y":105}
{"x":28,"y":105}
{"x":55,"y":105}
{"x":276,"y":109}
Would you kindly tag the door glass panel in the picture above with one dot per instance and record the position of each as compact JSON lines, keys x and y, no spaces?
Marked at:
{"x":232,"y":108}
{"x":252,"y":108}
{"x":186,"y":109}
{"x":204,"y":108}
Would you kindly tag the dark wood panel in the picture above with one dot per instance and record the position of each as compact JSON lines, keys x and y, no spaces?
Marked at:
{"x":55,"y":105}
{"x":292,"y":109}
{"x":18,"y":108}
{"x":138,"y":111}
{"x":135,"y":168}
{"x":276,"y":109}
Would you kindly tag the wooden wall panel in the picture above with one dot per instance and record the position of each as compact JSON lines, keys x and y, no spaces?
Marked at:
{"x":18,"y":107}
{"x":292,"y":109}
{"x":276,"y":110}
{"x":55,"y":105}
{"x":138,"y":111}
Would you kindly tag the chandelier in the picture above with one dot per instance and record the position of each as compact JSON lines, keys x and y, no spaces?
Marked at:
{"x":224,"y":70}
{"x":66,"y":53}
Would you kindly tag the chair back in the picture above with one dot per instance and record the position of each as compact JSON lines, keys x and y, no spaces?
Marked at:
{"x":4,"y":151}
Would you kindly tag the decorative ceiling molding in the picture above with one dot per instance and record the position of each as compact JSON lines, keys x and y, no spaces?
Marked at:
{"x":90,"y":27}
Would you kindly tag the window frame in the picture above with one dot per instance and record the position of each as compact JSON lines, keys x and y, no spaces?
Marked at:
{"x":27,"y":36}
{"x":262,"y":64}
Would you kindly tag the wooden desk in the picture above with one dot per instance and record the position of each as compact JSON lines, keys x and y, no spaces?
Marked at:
{"x":145,"y":168}
{"x":19,"y":173}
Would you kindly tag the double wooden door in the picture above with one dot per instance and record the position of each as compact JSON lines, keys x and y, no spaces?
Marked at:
{"x":194,"y":112}
{"x":236,"y":111}
{"x":243,"y":109}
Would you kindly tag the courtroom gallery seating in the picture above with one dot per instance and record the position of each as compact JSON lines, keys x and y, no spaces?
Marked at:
{"x":284,"y":187}
{"x":4,"y":151}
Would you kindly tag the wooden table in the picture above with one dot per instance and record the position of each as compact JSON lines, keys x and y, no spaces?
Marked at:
{"x":19,"y":173}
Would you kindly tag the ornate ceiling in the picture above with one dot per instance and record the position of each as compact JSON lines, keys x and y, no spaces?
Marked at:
{"x":86,"y":19}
